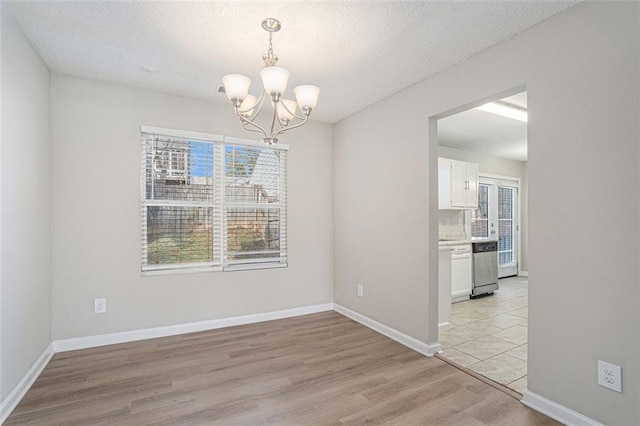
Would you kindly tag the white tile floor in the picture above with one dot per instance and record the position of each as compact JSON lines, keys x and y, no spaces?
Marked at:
{"x":489,"y":334}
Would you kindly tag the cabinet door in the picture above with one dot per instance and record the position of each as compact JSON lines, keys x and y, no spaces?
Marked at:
{"x":458,"y":185}
{"x":461,"y":276}
{"x":472,"y":185}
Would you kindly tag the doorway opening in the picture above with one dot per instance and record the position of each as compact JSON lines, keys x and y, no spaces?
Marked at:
{"x":483,"y":233}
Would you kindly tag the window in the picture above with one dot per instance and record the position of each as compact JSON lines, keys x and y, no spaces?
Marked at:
{"x":211,"y":202}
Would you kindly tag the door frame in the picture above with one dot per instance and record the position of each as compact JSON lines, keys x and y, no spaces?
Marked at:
{"x":491,"y":179}
{"x":432,"y":163}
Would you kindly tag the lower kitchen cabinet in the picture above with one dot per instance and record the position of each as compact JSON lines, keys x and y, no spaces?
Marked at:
{"x":461,"y":274}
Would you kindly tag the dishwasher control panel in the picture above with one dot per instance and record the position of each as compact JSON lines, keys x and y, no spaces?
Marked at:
{"x":481,"y":247}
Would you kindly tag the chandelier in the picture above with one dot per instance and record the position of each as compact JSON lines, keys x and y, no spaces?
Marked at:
{"x":274,"y":81}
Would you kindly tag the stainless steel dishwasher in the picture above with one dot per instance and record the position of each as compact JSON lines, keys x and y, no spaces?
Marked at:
{"x":485,"y":267}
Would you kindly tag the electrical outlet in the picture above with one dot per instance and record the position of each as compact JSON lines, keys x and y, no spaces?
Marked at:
{"x":610,"y":376}
{"x":100,"y":305}
{"x":360,"y":290}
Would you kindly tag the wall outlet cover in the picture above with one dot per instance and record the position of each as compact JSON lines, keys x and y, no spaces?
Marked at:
{"x":100,"y":305}
{"x":610,"y":376}
{"x":360,"y":290}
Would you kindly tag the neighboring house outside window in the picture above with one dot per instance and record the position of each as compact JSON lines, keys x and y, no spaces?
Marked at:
{"x":211,"y":203}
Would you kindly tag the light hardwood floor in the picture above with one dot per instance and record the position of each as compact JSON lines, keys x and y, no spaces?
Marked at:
{"x":312,"y":370}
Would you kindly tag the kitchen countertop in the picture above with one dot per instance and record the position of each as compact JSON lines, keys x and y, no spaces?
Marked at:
{"x":448,"y":243}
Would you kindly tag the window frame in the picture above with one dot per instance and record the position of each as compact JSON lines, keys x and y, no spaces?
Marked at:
{"x":219,"y":204}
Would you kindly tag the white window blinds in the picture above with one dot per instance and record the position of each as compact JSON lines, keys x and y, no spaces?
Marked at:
{"x":211,"y":204}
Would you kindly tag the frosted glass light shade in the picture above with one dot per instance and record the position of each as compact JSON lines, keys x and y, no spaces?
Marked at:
{"x":283,"y":115}
{"x":249,"y":103}
{"x":236,"y":86}
{"x":307,"y":96}
{"x":274,"y":79}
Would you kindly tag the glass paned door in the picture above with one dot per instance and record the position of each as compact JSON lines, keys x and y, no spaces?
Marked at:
{"x":507,"y":231}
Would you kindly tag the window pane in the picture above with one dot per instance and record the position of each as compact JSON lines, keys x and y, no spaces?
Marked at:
{"x":253,"y":233}
{"x":506,"y":229}
{"x":506,"y":257}
{"x":480,"y":216}
{"x":179,"y":235}
{"x":252,"y":175}
{"x":505,"y":203}
{"x":179,"y":170}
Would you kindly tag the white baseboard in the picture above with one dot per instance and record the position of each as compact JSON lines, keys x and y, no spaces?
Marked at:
{"x":408,"y":341}
{"x":17,"y":393}
{"x":172,"y":330}
{"x":556,"y":411}
{"x":523,"y":273}
{"x":444,"y":326}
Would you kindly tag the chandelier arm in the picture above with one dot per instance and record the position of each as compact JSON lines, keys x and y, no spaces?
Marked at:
{"x":292,"y":112}
{"x":284,"y":129}
{"x":248,"y":129}
{"x":244,"y":120}
{"x":273,"y":120}
{"x":257,"y":108}
{"x":259,"y":105}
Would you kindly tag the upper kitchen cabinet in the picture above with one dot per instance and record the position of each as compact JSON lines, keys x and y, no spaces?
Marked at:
{"x":457,"y":184}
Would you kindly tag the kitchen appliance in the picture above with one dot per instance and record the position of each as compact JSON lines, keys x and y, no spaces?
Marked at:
{"x":485,"y":267}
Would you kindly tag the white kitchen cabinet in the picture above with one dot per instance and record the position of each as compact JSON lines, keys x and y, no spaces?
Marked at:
{"x":461,"y":284}
{"x":457,"y":184}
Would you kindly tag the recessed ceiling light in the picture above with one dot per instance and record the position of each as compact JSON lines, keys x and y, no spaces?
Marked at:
{"x":505,"y":111}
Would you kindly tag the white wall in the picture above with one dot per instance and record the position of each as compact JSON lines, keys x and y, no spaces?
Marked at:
{"x":581,"y":74}
{"x":501,"y":167}
{"x":96,"y":216}
{"x":524,"y":223}
{"x":25,"y":214}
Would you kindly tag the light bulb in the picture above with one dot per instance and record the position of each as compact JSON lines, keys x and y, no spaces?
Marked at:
{"x":274,"y":80}
{"x":236,"y":86}
{"x":307,"y":97}
{"x":283,"y":115}
{"x":248,"y":105}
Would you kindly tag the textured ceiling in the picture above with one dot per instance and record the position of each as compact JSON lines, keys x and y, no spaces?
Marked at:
{"x":357,"y":52}
{"x":487,"y":133}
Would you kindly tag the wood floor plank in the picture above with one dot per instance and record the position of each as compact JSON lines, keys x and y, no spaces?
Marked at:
{"x":320,"y":369}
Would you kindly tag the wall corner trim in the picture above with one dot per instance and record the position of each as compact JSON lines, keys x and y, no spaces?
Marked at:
{"x":404,"y":339}
{"x":18,"y":392}
{"x":564,"y":415}
{"x":193,"y":327}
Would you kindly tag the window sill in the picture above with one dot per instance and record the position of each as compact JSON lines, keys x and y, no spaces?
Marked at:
{"x":232,"y":268}
{"x":179,"y":271}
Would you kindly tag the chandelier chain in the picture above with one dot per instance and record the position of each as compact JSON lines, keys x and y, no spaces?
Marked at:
{"x":270,"y":59}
